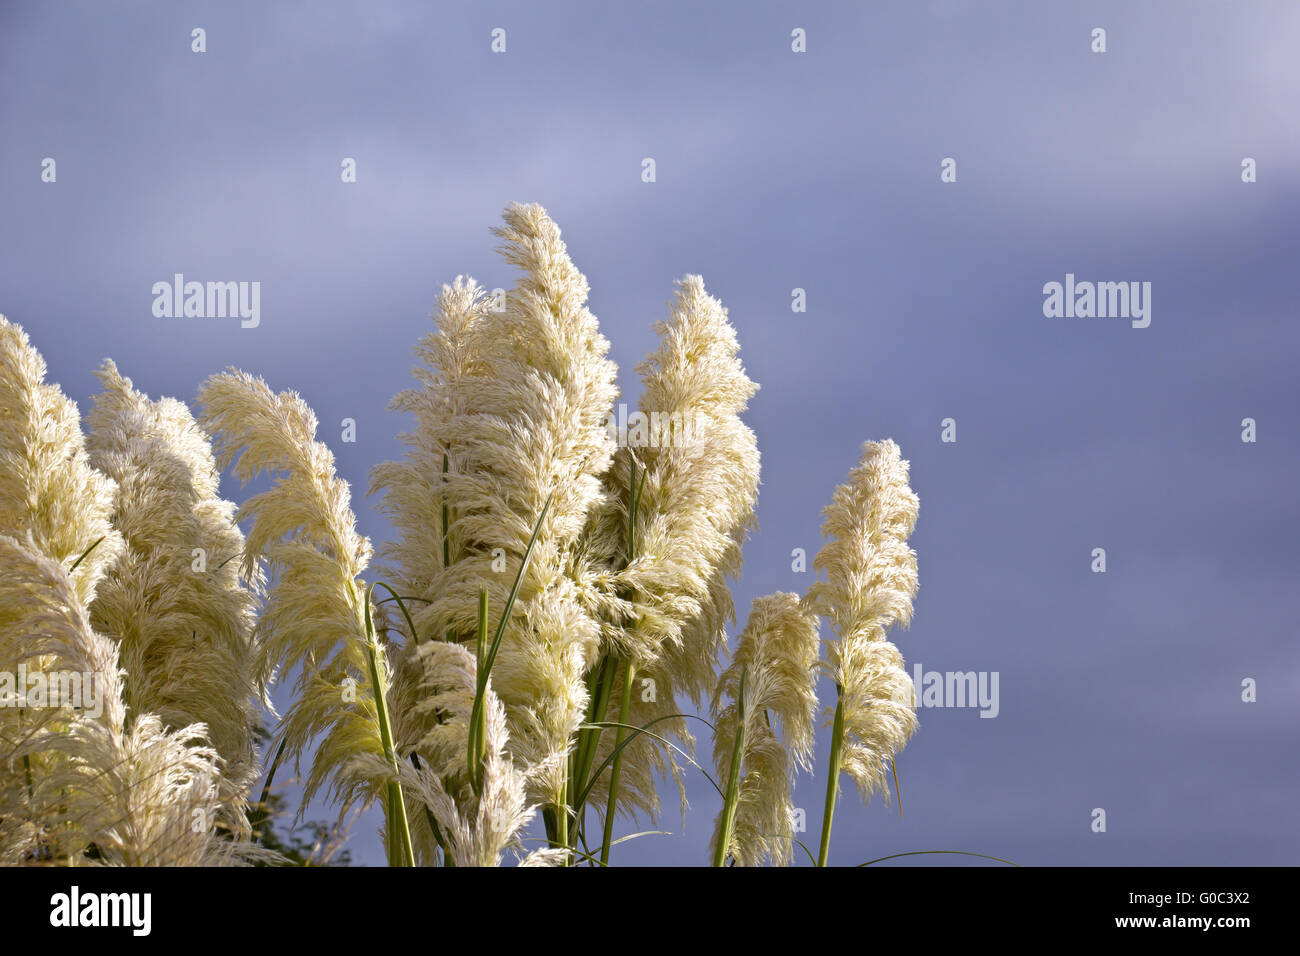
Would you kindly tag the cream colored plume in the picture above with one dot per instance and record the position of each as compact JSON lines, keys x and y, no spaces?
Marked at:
{"x":777,"y":656}
{"x":140,"y":795}
{"x":175,"y":601}
{"x":871,"y":578}
{"x":315,"y":613}
{"x":700,"y":465}
{"x":413,"y":487}
{"x":696,"y":466}
{"x":47,"y":487}
{"x":518,"y":400}
{"x":476,"y":829}
{"x":50,"y":495}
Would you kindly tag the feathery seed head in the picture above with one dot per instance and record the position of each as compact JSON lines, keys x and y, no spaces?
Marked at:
{"x":47,"y":487}
{"x":315,"y":613}
{"x":515,"y":402}
{"x":777,"y":656}
{"x":476,"y":828}
{"x":871,"y":578}
{"x":175,"y":601}
{"x":134,"y":794}
{"x":696,"y":502}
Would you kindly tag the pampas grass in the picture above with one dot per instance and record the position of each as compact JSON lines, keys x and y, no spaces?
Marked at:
{"x":105,"y":790}
{"x":766,"y":730}
{"x":176,"y":602}
{"x":318,"y":617}
{"x":871,"y":578}
{"x":553,"y":593}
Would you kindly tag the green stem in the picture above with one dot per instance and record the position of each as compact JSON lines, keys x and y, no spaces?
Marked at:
{"x":733,"y":781}
{"x":562,"y":821}
{"x":624,"y":705}
{"x":832,"y":775}
{"x":478,"y":726}
{"x":477,"y":715}
{"x":446,"y":531}
{"x":601,"y":686}
{"x":400,"y":853}
{"x":263,"y":811}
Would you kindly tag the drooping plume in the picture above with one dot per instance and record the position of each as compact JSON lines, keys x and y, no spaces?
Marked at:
{"x":696,"y":468}
{"x":776,"y":657}
{"x":58,"y":505}
{"x":315,"y":611}
{"x":47,"y":487}
{"x":871,"y":578}
{"x":699,"y":463}
{"x":476,"y":829}
{"x":140,"y":795}
{"x":175,"y":601}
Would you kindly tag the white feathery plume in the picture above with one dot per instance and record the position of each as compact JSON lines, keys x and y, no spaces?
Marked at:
{"x":475,"y":829}
{"x":776,"y":664}
{"x":518,"y":400}
{"x":139,"y":795}
{"x":414,"y":499}
{"x":696,"y":465}
{"x":700,"y":471}
{"x":47,"y":487}
{"x":175,"y":602}
{"x":315,"y":614}
{"x":547,"y":856}
{"x":413,"y":487}
{"x":871,"y":578}
{"x":50,"y":494}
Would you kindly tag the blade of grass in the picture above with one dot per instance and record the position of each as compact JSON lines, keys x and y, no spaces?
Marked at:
{"x":895,"y":856}
{"x":401,"y":852}
{"x":486,"y":669}
{"x":415,"y":758}
{"x":401,"y":604}
{"x":803,"y":846}
{"x":600,"y":686}
{"x":624,"y":705}
{"x":550,"y":842}
{"x":636,"y":488}
{"x":477,"y":729}
{"x":633,"y":836}
{"x":733,"y":781}
{"x":263,"y":807}
{"x":85,"y":553}
{"x":642,"y":730}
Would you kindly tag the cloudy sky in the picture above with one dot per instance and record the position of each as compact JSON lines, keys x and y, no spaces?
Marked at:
{"x":778,"y":170}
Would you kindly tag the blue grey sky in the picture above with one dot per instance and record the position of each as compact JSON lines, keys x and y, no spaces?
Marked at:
{"x":777,"y":170}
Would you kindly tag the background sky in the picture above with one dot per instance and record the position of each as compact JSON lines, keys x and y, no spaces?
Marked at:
{"x":778,"y":170}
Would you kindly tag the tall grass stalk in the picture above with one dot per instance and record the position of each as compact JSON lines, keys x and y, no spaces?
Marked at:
{"x":400,"y":851}
{"x":832,"y":776}
{"x":733,"y":780}
{"x":625,"y":703}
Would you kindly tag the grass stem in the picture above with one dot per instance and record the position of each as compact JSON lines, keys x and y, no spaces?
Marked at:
{"x":832,"y":775}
